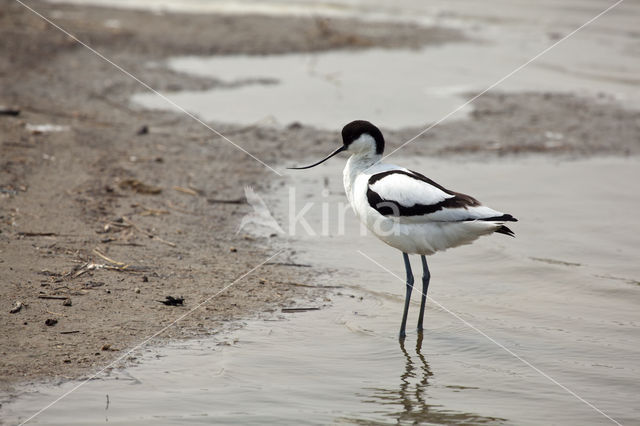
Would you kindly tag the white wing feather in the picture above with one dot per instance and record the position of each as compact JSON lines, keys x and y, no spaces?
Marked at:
{"x":408,"y":192}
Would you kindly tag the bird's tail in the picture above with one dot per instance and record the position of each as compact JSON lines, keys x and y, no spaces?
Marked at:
{"x":503,"y":218}
{"x":506,"y":231}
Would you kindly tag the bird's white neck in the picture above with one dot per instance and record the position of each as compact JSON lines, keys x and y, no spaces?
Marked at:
{"x":356,"y":164}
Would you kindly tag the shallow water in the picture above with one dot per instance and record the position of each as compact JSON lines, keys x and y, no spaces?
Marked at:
{"x":563,"y":296}
{"x":392,"y":88}
{"x":400,"y":88}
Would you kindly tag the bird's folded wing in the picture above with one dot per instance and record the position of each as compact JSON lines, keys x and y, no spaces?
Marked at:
{"x":413,"y":197}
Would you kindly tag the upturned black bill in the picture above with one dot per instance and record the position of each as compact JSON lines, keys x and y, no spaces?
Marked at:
{"x":337,"y":151}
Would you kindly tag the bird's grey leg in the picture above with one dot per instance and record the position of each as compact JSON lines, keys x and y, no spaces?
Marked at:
{"x":407,"y":266}
{"x":426,"y":276}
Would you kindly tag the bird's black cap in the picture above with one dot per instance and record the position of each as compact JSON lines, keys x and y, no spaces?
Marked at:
{"x":355,"y":129}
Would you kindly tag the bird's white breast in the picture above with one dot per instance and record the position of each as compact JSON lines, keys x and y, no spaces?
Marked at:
{"x":356,"y":176}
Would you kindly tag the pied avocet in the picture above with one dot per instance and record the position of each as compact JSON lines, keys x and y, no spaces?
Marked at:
{"x":406,"y":209}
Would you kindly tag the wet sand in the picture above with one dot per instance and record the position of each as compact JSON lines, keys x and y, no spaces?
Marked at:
{"x":61,"y":189}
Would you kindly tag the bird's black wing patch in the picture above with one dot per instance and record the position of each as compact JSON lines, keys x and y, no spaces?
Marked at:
{"x":503,"y":218}
{"x":393,"y":208}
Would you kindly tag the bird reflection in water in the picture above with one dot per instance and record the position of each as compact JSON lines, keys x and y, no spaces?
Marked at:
{"x":408,"y":404}
{"x":420,"y":374}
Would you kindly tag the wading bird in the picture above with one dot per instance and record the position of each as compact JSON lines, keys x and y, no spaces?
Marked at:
{"x":406,"y":209}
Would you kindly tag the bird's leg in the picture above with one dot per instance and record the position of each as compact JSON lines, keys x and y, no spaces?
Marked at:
{"x":426,"y":276}
{"x":407,"y":266}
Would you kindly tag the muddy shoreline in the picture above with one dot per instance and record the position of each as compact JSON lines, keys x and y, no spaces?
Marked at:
{"x":116,"y":218}
{"x":156,"y":207}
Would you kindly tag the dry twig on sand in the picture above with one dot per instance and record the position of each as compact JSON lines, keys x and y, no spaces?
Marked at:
{"x":186,"y":190}
{"x":108,"y":259}
{"x":293,"y":310}
{"x":148,"y":211}
{"x":226,"y":201}
{"x":37,"y":234}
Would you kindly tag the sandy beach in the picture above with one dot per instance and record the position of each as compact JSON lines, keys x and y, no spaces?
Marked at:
{"x":107,"y":208}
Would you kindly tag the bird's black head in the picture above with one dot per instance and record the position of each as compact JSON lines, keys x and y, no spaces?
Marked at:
{"x":358,"y":137}
{"x":354,"y":130}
